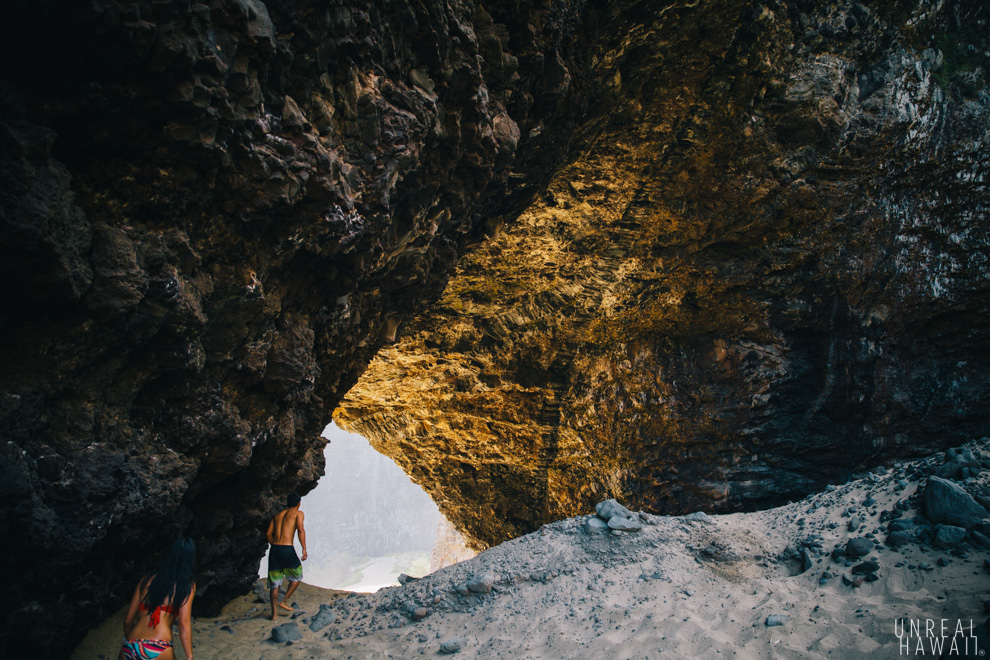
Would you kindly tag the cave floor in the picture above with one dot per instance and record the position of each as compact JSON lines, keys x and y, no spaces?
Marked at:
{"x":678,"y":588}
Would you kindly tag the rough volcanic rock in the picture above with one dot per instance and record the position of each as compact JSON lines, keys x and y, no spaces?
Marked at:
{"x":761,"y":263}
{"x":212,"y":215}
{"x":859,"y":547}
{"x":610,"y":508}
{"x":947,"y":502}
{"x":947,"y":536}
{"x":285,"y":633}
{"x":768,"y":272}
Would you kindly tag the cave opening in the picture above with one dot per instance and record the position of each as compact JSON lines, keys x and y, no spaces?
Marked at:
{"x":367,"y":522}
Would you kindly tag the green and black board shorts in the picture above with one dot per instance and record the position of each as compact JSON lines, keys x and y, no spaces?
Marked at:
{"x":283,"y":564}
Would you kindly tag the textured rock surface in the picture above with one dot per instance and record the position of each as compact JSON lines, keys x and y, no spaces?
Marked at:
{"x":213,"y":214}
{"x":762,"y":262}
{"x":770,"y":270}
{"x":947,"y":502}
{"x":449,"y":547}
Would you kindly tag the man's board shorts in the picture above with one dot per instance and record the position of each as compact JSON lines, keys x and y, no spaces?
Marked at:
{"x":283,"y":564}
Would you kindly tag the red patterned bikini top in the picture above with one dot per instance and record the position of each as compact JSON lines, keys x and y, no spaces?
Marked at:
{"x":155,"y":615}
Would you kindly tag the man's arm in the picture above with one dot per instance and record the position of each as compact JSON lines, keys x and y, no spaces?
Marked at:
{"x":270,"y":534}
{"x":132,"y":610}
{"x":302,"y":533}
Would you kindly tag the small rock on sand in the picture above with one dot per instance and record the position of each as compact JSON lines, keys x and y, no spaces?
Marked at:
{"x":453,"y":645}
{"x":947,"y":536}
{"x":899,"y":538}
{"x":776,"y":620}
{"x":481,"y":584}
{"x":859,"y":547}
{"x":698,"y":516}
{"x":625,"y":524}
{"x":287,"y":632}
{"x":865,"y":568}
{"x":610,"y":508}
{"x":323,"y":618}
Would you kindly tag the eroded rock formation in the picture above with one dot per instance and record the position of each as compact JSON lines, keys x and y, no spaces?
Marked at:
{"x":770,"y":270}
{"x":763,"y":249}
{"x":213,"y":214}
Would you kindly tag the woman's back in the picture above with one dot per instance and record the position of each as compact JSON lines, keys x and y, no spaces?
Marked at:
{"x":154,"y":624}
{"x":159,"y":600}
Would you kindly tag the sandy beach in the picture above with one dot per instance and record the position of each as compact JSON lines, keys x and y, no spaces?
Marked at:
{"x":681,"y":587}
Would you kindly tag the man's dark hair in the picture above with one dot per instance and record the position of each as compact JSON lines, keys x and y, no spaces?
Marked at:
{"x":292,"y":499}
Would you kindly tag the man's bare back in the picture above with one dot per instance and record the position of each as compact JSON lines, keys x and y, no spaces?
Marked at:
{"x":284,"y":526}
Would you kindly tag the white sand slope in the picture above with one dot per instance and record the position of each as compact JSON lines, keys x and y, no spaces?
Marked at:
{"x":676,"y":589}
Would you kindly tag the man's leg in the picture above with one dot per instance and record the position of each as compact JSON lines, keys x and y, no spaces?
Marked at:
{"x":275,"y":578}
{"x":288,"y":592}
{"x":276,"y":574}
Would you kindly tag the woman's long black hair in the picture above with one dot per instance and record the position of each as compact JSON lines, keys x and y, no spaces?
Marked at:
{"x":173,"y":582}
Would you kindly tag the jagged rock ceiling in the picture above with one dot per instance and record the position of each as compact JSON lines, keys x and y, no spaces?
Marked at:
{"x":763,"y":247}
{"x":769,"y":270}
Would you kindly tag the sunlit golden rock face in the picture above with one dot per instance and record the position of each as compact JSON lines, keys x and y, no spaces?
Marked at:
{"x":769,"y":270}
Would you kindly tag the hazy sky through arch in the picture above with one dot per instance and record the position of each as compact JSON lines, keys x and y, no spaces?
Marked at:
{"x":366,"y":521}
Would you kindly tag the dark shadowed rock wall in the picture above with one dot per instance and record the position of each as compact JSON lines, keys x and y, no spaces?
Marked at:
{"x":770,"y":270}
{"x":213,"y":214}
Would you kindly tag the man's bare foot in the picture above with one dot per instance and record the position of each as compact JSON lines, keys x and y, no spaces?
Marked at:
{"x":275,"y":617}
{"x":285,"y":607}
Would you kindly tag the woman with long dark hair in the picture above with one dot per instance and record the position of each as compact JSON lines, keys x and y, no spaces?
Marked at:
{"x":159,"y":600}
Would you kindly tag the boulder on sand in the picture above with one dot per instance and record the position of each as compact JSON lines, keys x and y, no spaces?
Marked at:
{"x":610,"y":508}
{"x":452,"y":645}
{"x":859,"y":547}
{"x":323,"y":618}
{"x":946,"y":502}
{"x":287,"y":632}
{"x":947,"y":536}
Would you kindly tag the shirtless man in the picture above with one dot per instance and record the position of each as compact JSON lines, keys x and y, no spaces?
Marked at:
{"x":282,"y":560}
